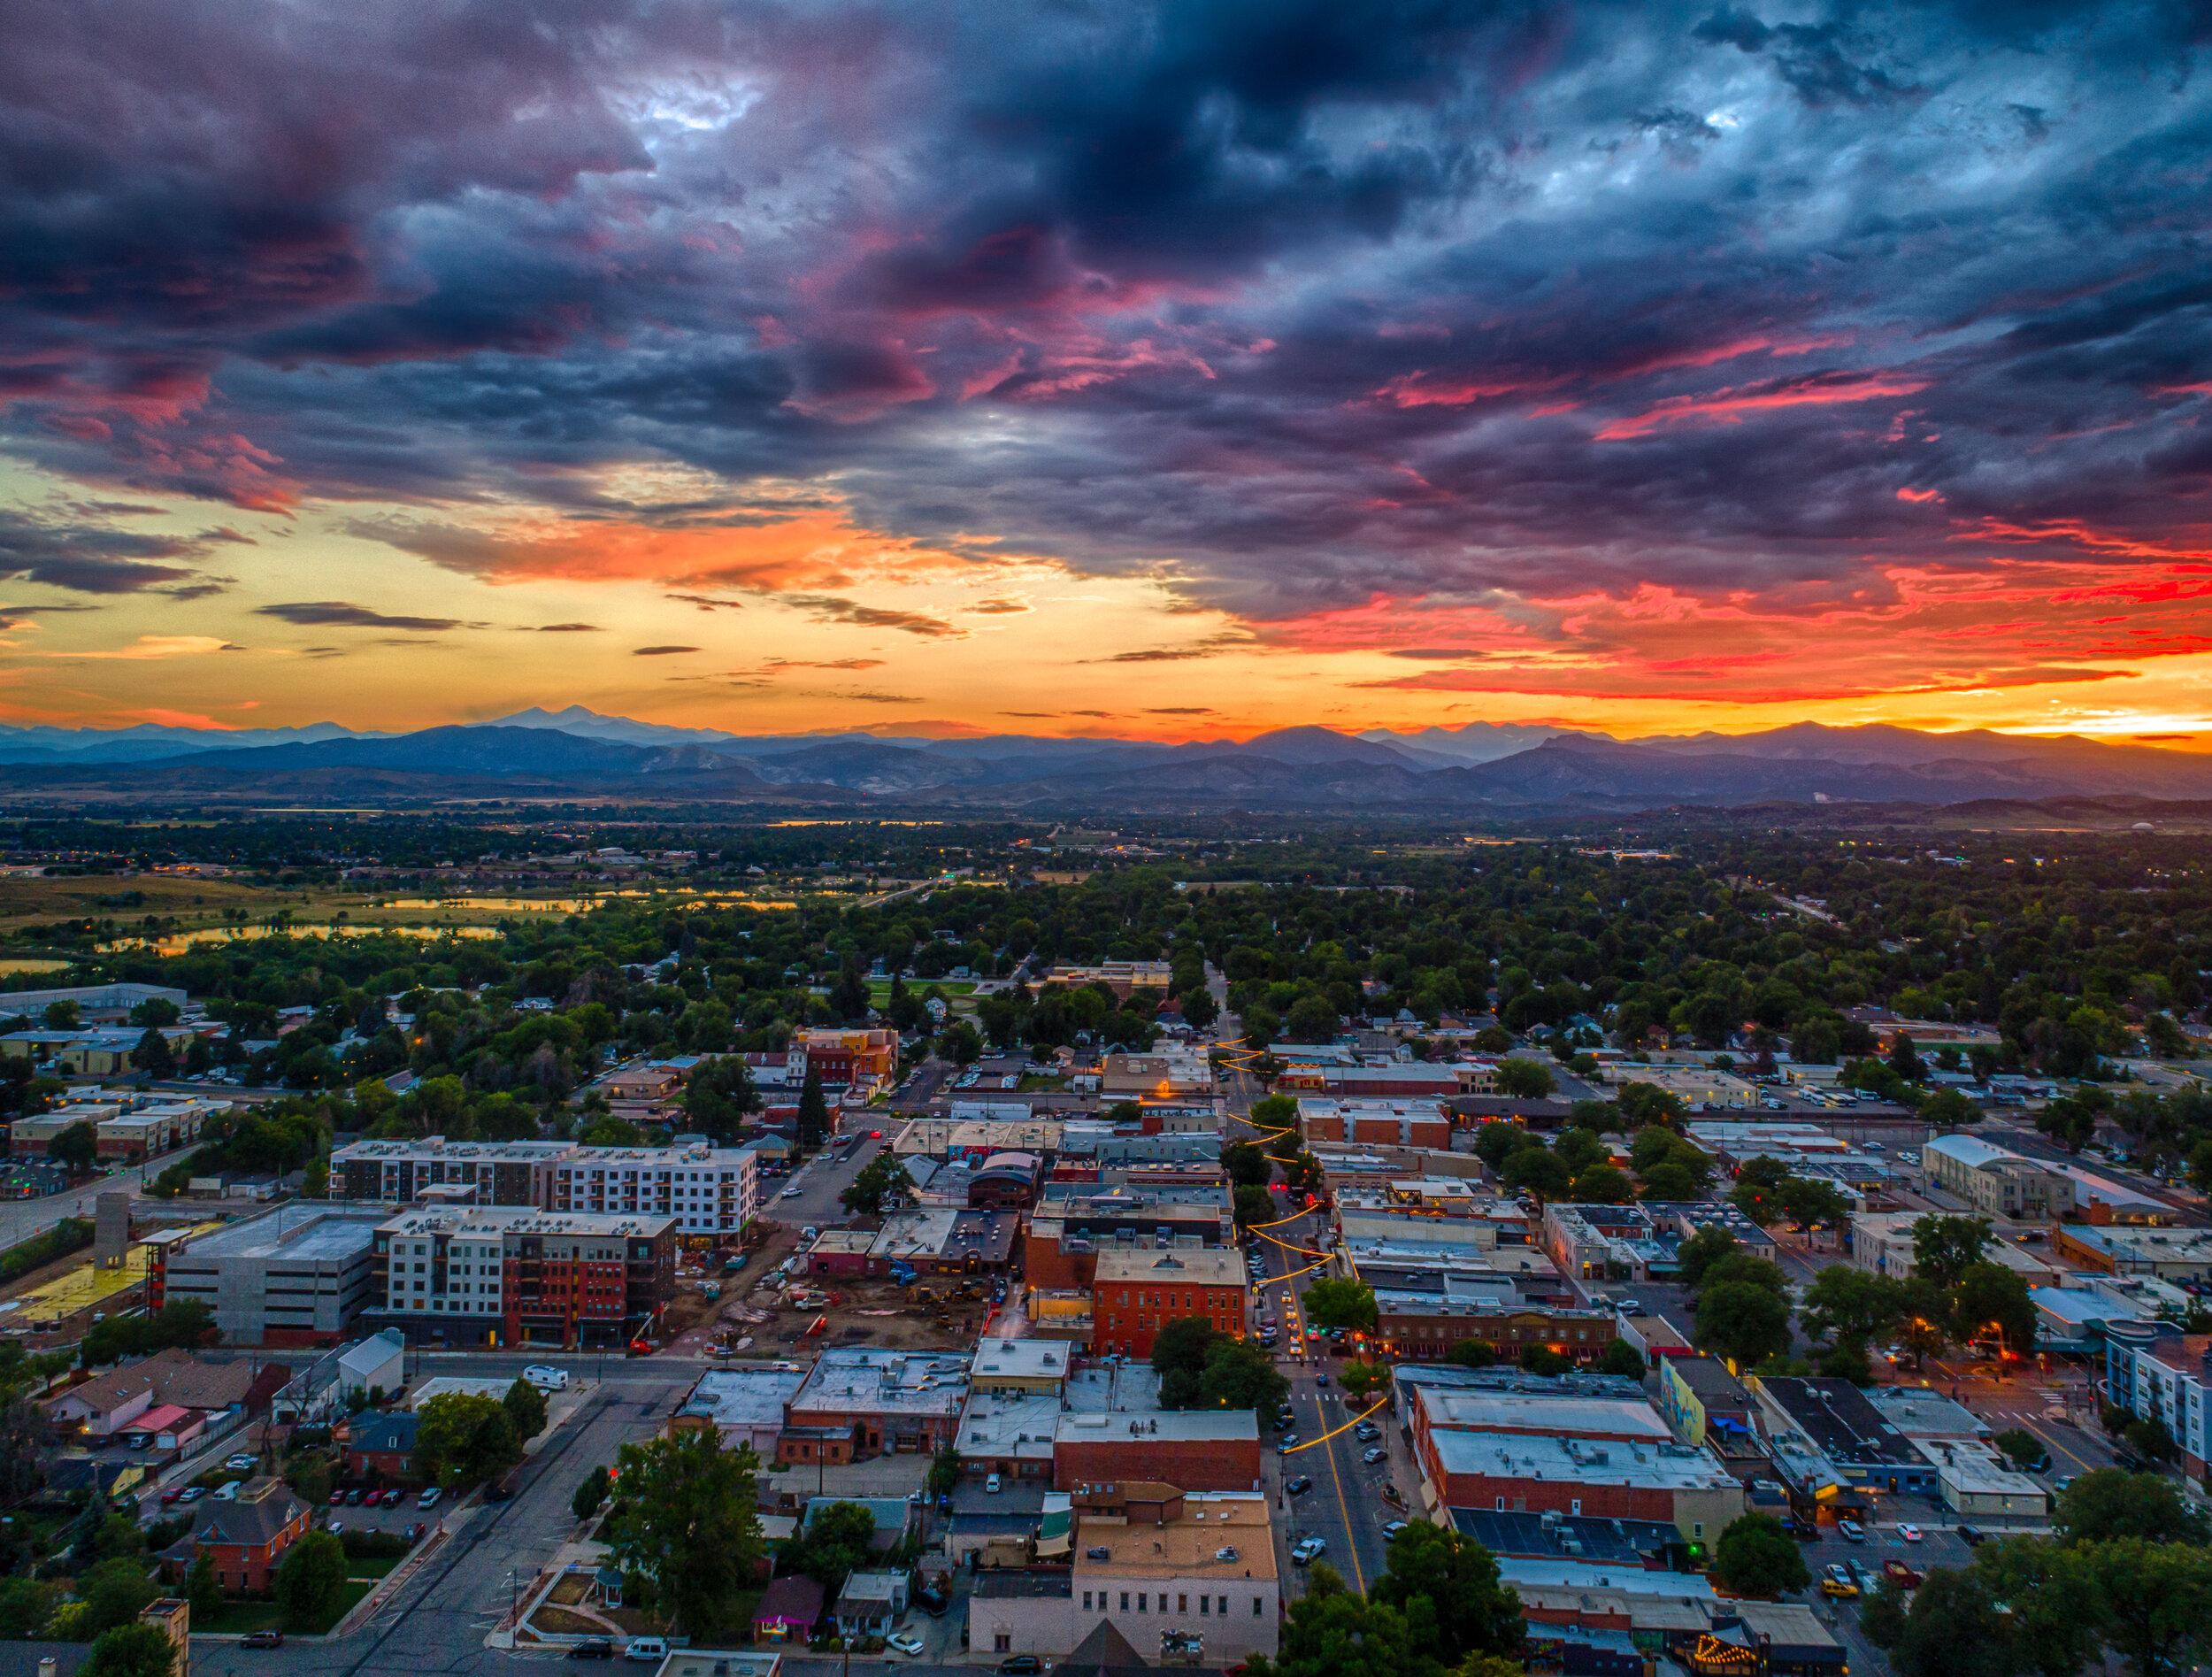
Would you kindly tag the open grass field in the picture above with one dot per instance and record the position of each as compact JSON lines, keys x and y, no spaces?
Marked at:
{"x":189,"y":904}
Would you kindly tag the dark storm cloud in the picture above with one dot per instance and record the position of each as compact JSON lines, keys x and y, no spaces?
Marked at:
{"x":338,"y":614}
{"x":1301,"y":305}
{"x":89,"y":558}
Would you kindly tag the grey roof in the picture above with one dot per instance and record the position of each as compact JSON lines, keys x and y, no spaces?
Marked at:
{"x":251,"y":1525}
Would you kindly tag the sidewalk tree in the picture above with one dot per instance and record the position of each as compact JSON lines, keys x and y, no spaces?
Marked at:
{"x":1811,"y":1202}
{"x":881,"y":1179}
{"x":202,"y":1588}
{"x":1448,"y":1586}
{"x":132,"y":1650}
{"x":1954,"y":1629}
{"x":1341,"y":1303}
{"x":76,"y":1149}
{"x":1621,"y":1357}
{"x":1603,"y":1185}
{"x":526,"y":1408}
{"x":1538,"y":1171}
{"x":1743,"y":1310}
{"x":1247,"y":1164}
{"x":1525,"y":1080}
{"x":690,"y":1526}
{"x":1700,"y":1250}
{"x":1846,"y":1303}
{"x":463,"y":1439}
{"x":1253,"y":1205}
{"x":311,"y":1582}
{"x":1988,"y":1298}
{"x":1943,"y":1247}
{"x":1755,"y":1557}
{"x":590,"y":1494}
{"x":2107,"y":1503}
{"x":813,"y":1125}
{"x":1362,"y":1381}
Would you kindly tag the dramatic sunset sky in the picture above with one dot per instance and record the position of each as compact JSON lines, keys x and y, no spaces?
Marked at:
{"x":1093,"y":366}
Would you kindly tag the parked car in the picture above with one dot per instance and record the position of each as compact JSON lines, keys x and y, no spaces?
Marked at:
{"x":262,"y":1639}
{"x":1971,"y":1536}
{"x":392,"y":1497}
{"x":1392,"y":1528}
{"x":932,"y":1601}
{"x":1299,"y":1486}
{"x":1836,"y":1582}
{"x":1852,"y":1531}
{"x":652,"y":1647}
{"x":1899,"y":1573}
{"x":240,"y":1462}
{"x":1367,"y":1432}
{"x":337,"y":1498}
{"x":547,"y":1378}
{"x":904,"y":1643}
{"x":1289,"y":1443}
{"x":1305,"y":1553}
{"x":593,"y":1647}
{"x":1377,"y":1454}
{"x":1020,"y":1665}
{"x":170,"y":1495}
{"x":991,"y":1483}
{"x":1910,"y":1533}
{"x":1098,"y":1551}
{"x":355,"y":1496}
{"x":430,"y":1498}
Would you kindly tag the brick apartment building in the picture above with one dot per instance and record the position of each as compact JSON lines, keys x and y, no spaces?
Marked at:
{"x":1375,"y":1123}
{"x":247,"y":1537}
{"x":1135,"y":1293}
{"x":400,"y":1173}
{"x":464,"y":1274}
{"x":1074,"y":1223}
{"x":863,"y":1402}
{"x":859,"y":1060}
{"x":1195,"y":1448}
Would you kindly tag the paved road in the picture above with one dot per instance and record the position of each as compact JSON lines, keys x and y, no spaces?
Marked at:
{"x":436,"y":1622}
{"x":21,"y":1220}
{"x":819,"y":1182}
{"x":1344,"y":1508}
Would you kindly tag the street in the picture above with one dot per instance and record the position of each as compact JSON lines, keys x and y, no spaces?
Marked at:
{"x":438,"y":1619}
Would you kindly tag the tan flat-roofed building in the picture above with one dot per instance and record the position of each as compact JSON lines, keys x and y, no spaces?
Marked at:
{"x":1190,"y":1565}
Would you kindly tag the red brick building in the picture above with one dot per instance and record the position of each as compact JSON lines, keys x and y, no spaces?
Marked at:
{"x":247,"y":1537}
{"x":861,"y":1059}
{"x":1134,"y":1293}
{"x":1192,"y":1449}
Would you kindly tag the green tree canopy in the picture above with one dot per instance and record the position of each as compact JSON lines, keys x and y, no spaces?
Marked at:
{"x":463,"y":1439}
{"x":311,"y":1581}
{"x":132,"y":1650}
{"x":526,"y":1408}
{"x":1341,"y":1303}
{"x":2108,"y":1503}
{"x":1448,"y":1586}
{"x":1943,"y":1247}
{"x":1755,"y":1557}
{"x":1525,"y":1080}
{"x":690,"y":1524}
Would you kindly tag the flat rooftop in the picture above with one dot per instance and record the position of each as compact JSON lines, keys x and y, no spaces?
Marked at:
{"x":1021,"y":1360}
{"x":1185,"y":1548}
{"x":883,"y":1382}
{"x":1181,"y":1266}
{"x":327,"y":1237}
{"x":743,"y":1396}
{"x":1561,"y":1417}
{"x":1232,"y":1426}
{"x":1521,"y":1456}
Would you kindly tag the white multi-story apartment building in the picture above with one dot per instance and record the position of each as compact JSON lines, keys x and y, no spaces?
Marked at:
{"x":708,"y":1191}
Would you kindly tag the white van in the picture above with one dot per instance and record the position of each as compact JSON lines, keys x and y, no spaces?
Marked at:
{"x":545,"y":1378}
{"x":652,"y":1647}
